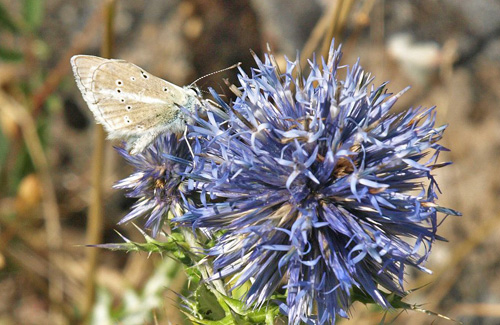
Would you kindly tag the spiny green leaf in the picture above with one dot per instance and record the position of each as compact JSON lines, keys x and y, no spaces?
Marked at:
{"x":174,"y":245}
{"x":396,"y":302}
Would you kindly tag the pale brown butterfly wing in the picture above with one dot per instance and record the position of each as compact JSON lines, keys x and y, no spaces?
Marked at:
{"x":128,"y":101}
{"x":84,"y":67}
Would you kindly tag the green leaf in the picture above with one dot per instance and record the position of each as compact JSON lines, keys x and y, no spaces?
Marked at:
{"x":203,"y":307}
{"x":10,"y":55}
{"x":396,"y":302}
{"x":6,"y":20}
{"x":208,"y":305}
{"x":33,"y":13}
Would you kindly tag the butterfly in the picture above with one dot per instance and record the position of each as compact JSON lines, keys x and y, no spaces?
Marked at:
{"x":131,"y":103}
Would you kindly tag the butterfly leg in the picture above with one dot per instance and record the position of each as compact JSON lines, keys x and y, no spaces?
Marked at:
{"x":143,"y":141}
{"x":187,"y":141}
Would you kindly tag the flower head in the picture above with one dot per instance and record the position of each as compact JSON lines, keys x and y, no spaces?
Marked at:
{"x":157,"y":181}
{"x":316,"y":184}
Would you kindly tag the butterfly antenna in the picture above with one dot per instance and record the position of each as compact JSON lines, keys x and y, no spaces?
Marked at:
{"x":218,"y":71}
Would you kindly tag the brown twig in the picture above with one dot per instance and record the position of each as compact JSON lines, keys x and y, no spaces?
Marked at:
{"x":318,"y":33}
{"x":361,"y":21}
{"x":338,"y":24}
{"x":330,"y":26}
{"x":62,"y":68}
{"x":95,"y":215}
{"x":23,"y":118}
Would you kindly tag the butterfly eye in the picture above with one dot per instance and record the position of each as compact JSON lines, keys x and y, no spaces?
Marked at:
{"x":144,"y":75}
{"x":122,"y":100}
{"x":129,"y":107}
{"x":118,"y":90}
{"x":196,"y":90}
{"x":165,"y":89}
{"x":119,"y":82}
{"x":127,"y":120}
{"x":132,"y":78}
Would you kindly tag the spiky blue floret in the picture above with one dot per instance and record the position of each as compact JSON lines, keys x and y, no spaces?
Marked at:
{"x":314,"y":182}
{"x":157,"y":181}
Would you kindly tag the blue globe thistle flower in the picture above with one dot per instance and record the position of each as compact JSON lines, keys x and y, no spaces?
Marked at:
{"x":312,"y":182}
{"x":157,"y":182}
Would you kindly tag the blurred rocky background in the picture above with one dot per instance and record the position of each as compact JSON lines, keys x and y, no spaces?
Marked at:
{"x":447,"y":50}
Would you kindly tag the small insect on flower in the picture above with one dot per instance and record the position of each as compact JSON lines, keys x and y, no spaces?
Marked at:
{"x":157,"y":182}
{"x":314,"y":182}
{"x":131,"y":103}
